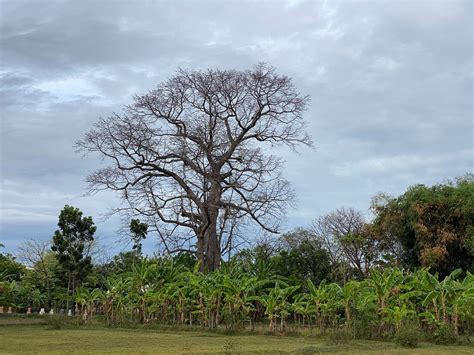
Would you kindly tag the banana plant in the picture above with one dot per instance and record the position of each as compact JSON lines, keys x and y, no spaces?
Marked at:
{"x":140,"y":279}
{"x":348,"y":294}
{"x":37,"y":298}
{"x":113,"y":298}
{"x":86,"y":299}
{"x":316,"y":296}
{"x":439,"y":295}
{"x":277,"y":305}
{"x":396,"y":315}
{"x":386,"y":284}
{"x":303,"y":307}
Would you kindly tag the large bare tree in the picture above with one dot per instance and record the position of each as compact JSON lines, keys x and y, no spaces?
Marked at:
{"x":192,"y":157}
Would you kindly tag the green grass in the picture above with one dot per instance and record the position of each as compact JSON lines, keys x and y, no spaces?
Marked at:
{"x":33,"y":336}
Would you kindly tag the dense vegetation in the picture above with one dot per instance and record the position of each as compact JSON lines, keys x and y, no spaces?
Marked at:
{"x":406,"y":273}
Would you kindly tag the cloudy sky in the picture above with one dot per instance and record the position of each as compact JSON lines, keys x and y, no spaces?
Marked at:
{"x":391,"y":86}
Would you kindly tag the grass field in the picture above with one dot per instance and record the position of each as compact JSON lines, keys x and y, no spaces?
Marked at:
{"x":33,"y":336}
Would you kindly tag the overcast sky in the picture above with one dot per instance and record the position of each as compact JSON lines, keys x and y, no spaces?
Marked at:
{"x":391,"y":85}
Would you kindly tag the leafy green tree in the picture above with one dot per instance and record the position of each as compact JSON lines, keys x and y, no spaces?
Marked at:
{"x":120,"y":263}
{"x":301,"y":257}
{"x":86,"y":299}
{"x":434,"y":225}
{"x":185,"y":259}
{"x":296,"y":256}
{"x":10,"y":269}
{"x":302,"y":263}
{"x":71,"y":244}
{"x":139,"y":232}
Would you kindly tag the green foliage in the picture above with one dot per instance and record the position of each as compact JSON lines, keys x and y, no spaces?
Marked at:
{"x":284,"y":287}
{"x":186,"y":259}
{"x":120,"y":263}
{"x":10,"y":269}
{"x":433,"y":224}
{"x":301,"y":258}
{"x":444,"y":334}
{"x":139,"y":231}
{"x":409,"y":336}
{"x":70,"y":241}
{"x":160,"y":291}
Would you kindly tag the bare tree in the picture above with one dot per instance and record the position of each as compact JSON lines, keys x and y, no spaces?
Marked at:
{"x":191,"y":157}
{"x":348,"y":238}
{"x":34,"y":253}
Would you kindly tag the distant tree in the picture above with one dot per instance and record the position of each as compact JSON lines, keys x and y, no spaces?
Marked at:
{"x":191,"y":157}
{"x":349,"y":239}
{"x":186,"y":259}
{"x":139,"y":231}
{"x":120,"y":263}
{"x":10,"y":269}
{"x":301,"y":257}
{"x":435,"y":225}
{"x":38,"y":256}
{"x":71,"y":244}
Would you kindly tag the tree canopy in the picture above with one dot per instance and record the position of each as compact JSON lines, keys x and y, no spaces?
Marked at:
{"x":434,"y":225}
{"x":71,"y":245}
{"x":191,"y":156}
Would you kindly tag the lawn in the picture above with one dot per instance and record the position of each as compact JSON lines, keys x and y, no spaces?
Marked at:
{"x":32,"y":336}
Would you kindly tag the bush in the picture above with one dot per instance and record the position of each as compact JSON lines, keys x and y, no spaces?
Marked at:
{"x":444,"y":335}
{"x":408,"y":337}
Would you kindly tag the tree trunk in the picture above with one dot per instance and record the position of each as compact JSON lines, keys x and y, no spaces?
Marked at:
{"x":455,"y":319}
{"x":200,"y":252}
{"x":68,"y":290}
{"x":211,"y":253}
{"x":347,"y":313}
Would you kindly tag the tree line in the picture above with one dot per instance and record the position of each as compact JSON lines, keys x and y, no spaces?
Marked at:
{"x":411,"y":264}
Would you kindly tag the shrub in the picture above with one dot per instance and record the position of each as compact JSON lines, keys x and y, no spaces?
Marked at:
{"x":444,"y":335}
{"x":408,"y":337}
